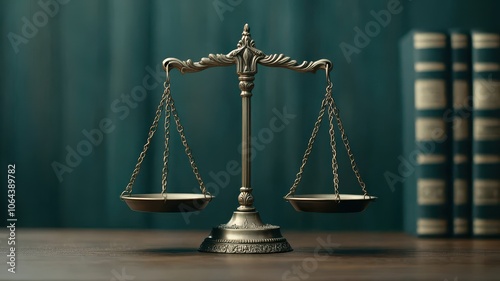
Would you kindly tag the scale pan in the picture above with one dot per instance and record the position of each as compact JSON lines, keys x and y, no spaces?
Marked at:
{"x":328,"y":203}
{"x":172,"y":202}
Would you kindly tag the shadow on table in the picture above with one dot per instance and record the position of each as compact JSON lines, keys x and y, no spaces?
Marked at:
{"x":353,"y":252}
{"x":358,"y":252}
{"x":166,"y":251}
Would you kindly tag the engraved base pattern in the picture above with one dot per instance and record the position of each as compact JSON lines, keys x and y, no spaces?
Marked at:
{"x":236,"y":247}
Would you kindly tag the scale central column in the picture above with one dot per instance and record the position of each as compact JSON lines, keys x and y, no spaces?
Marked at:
{"x":245,"y":233}
{"x":246,"y":198}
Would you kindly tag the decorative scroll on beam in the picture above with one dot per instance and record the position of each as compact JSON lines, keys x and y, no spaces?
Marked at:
{"x":188,"y":66}
{"x":286,"y":62}
{"x":245,"y":51}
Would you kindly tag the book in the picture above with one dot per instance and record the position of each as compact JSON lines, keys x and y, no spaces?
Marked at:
{"x":427,"y":132}
{"x":486,"y":134}
{"x":461,"y":87}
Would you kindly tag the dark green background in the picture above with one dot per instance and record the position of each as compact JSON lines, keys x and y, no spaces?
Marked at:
{"x":65,"y":79}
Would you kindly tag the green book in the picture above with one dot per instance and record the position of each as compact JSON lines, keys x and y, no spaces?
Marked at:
{"x":461,"y":87}
{"x":486,"y":134}
{"x":427,"y":133}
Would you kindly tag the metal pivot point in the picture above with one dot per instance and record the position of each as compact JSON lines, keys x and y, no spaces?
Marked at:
{"x":245,"y":232}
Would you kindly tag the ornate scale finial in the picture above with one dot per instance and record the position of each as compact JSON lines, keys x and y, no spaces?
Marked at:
{"x":246,"y":54}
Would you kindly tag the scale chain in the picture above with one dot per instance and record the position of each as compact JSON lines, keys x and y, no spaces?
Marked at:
{"x":152,"y":130}
{"x":310,"y":144}
{"x":354,"y":166}
{"x":187,"y":149}
{"x":333,"y":111}
{"x":167,"y":104}
{"x":333,"y":143}
{"x":166,"y":152}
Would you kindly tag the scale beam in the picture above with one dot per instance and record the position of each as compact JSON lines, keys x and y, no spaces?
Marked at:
{"x":245,"y":56}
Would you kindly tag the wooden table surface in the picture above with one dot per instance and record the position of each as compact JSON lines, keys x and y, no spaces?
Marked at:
{"x":119,"y":255}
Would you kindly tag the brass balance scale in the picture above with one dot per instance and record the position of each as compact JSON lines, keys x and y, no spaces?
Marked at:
{"x":245,"y":232}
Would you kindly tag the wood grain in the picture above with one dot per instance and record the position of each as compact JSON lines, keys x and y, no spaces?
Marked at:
{"x":61,"y":254}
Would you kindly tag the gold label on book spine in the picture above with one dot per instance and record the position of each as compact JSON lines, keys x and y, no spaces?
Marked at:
{"x":459,"y":66}
{"x":486,"y":192}
{"x":485,"y":66}
{"x":460,"y":226}
{"x":460,"y":192}
{"x":430,"y":129}
{"x":486,"y":94}
{"x":486,"y":159}
{"x":485,"y":40}
{"x":430,"y":94}
{"x":486,"y":129}
{"x":459,"y":41}
{"x":460,"y":128}
{"x":460,"y":158}
{"x":486,"y":227}
{"x":431,"y":226}
{"x":431,"y":158}
{"x":431,"y":192}
{"x":460,"y":94}
{"x":429,"y":40}
{"x":429,"y":66}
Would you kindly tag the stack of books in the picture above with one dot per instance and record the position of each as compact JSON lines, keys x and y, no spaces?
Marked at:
{"x":451,"y":132}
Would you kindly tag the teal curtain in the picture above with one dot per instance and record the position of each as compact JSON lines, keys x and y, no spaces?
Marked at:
{"x":81,"y":80}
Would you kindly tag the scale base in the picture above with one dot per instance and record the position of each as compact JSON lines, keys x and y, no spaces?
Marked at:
{"x":245,"y":233}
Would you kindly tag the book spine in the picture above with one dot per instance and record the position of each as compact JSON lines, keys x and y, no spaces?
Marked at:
{"x":406,"y":173}
{"x":461,"y":86}
{"x":486,"y":134}
{"x":432,"y":133}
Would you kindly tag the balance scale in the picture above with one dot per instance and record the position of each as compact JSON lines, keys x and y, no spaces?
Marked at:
{"x":245,"y":232}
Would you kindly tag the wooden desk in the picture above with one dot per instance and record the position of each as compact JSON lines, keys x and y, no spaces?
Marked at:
{"x":60,"y":254}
